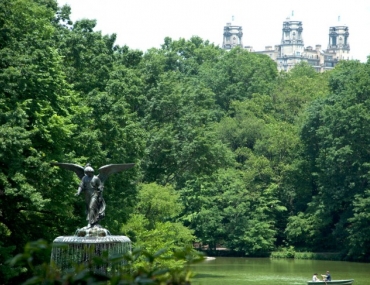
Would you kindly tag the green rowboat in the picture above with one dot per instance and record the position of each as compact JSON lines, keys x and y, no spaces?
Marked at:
{"x":333,"y":282}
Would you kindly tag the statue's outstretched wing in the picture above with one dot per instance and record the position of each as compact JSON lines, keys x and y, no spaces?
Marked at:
{"x":109,"y":169}
{"x":78,"y":169}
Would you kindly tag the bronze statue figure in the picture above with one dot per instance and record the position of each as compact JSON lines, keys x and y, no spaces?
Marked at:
{"x":93,"y":186}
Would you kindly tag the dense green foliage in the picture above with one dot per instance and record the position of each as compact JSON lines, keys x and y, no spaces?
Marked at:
{"x":228,"y":151}
{"x":130,"y":273}
{"x":150,"y":227}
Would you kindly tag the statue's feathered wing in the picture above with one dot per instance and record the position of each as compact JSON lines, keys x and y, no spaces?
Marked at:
{"x":109,"y":169}
{"x":78,"y":169}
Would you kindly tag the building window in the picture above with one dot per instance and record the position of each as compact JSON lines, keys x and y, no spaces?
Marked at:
{"x":333,"y":40}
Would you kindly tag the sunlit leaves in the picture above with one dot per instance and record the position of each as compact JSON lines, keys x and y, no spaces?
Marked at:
{"x":152,"y":224}
{"x":238,"y":75}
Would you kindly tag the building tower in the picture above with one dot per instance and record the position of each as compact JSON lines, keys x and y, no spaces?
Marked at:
{"x":292,"y":46}
{"x":233,"y":35}
{"x":338,"y":42}
{"x":291,"y":50}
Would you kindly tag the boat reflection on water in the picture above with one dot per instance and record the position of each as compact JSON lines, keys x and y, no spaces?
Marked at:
{"x":333,"y":282}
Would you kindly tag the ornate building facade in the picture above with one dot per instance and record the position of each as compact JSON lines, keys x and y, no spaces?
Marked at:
{"x":291,"y":49}
{"x":233,"y":35}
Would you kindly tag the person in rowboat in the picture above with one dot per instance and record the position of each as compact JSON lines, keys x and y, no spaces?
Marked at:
{"x":315,"y":278}
{"x":327,"y":276}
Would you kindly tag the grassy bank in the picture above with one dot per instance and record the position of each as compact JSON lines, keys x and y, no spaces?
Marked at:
{"x":290,"y":253}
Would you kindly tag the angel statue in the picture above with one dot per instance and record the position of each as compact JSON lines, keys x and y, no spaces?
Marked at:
{"x":92,"y":186}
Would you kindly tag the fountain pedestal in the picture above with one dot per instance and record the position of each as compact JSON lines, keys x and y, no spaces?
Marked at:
{"x":87,"y":243}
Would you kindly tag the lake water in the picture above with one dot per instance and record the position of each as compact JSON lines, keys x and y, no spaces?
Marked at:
{"x":258,"y":271}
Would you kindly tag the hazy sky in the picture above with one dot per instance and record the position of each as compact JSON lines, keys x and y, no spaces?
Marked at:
{"x":143,"y":24}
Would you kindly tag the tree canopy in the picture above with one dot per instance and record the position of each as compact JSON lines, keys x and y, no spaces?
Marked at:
{"x":227,"y":150}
